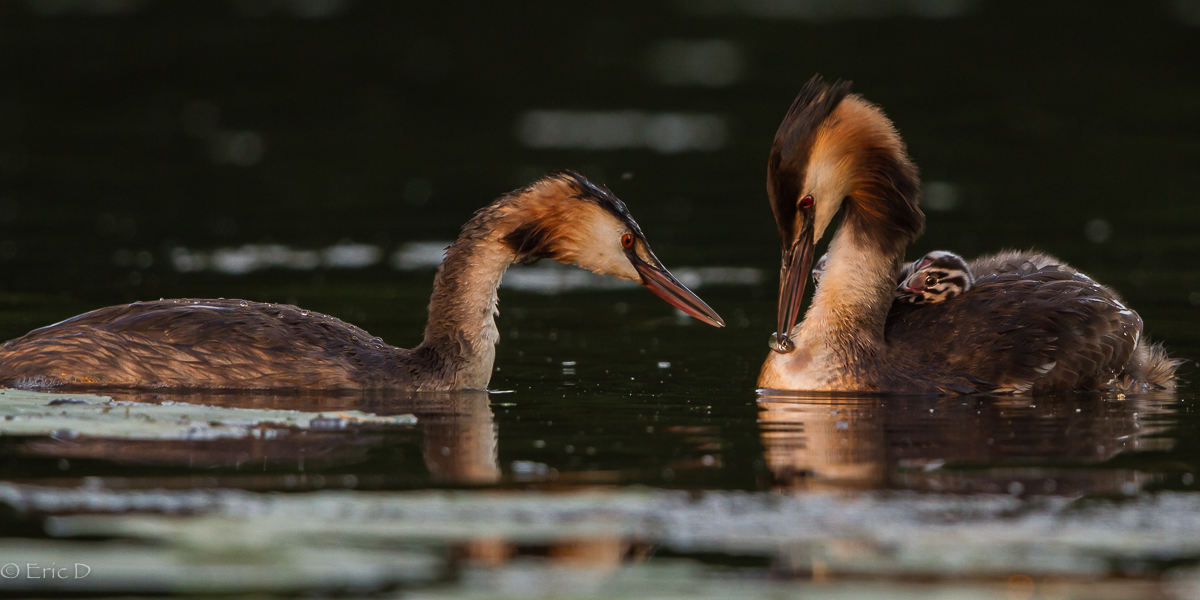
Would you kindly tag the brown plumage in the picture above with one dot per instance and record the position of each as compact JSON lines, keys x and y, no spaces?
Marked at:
{"x":1029,"y":323}
{"x":237,"y":344}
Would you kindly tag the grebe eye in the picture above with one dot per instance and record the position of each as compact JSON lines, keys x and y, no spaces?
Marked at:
{"x":806,"y":202}
{"x":627,"y":240}
{"x":930,"y":280}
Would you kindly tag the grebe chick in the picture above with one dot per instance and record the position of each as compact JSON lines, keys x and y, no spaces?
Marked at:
{"x":819,"y":269}
{"x":1027,"y":325}
{"x":935,"y":277}
{"x":235,"y":344}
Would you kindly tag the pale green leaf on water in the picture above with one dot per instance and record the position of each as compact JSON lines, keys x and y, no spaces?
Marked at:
{"x":30,"y":413}
{"x":977,"y":540}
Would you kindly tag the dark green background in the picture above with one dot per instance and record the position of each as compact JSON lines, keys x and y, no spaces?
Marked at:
{"x":1044,"y":116}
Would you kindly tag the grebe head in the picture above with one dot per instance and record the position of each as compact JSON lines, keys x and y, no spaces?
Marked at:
{"x":835,"y":150}
{"x":571,"y":220}
{"x":936,"y":277}
{"x":819,"y":269}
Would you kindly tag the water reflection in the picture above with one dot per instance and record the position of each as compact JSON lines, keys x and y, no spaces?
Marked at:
{"x":456,"y":432}
{"x":1016,"y":445}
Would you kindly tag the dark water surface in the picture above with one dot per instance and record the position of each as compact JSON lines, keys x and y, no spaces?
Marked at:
{"x":320,"y":152}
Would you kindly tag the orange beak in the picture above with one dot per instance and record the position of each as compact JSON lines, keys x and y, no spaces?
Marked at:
{"x":660,"y":281}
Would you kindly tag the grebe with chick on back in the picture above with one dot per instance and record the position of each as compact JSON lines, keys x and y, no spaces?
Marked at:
{"x":936,"y":277}
{"x":237,"y":344}
{"x":1029,"y":323}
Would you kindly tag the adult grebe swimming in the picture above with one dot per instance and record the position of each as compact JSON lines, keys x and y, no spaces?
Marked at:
{"x":236,"y":344}
{"x":1029,"y":323}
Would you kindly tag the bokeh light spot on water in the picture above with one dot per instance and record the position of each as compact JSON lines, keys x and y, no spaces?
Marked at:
{"x":667,"y":133}
{"x":100,"y":8}
{"x":833,"y":10}
{"x":710,"y":63}
{"x":237,"y":148}
{"x":304,"y":9}
{"x":121,"y":226}
{"x":254,"y":257}
{"x":1187,"y":11}
{"x":419,"y":255}
{"x":1098,"y":231}
{"x":939,"y":196}
{"x":348,"y":255}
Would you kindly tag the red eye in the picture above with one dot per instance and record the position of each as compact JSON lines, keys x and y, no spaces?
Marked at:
{"x":627,"y":240}
{"x":806,"y":202}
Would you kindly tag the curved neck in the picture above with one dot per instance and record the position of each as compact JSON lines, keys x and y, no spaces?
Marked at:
{"x":850,"y":307}
{"x":461,"y":330}
{"x":559,"y":217}
{"x":841,"y":339}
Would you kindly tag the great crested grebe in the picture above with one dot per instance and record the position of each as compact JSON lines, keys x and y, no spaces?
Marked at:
{"x":1029,"y":324}
{"x":235,"y":344}
{"x":935,"y":277}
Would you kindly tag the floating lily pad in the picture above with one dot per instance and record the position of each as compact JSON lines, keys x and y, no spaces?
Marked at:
{"x":30,"y":413}
{"x":48,"y":566}
{"x":880,"y":535}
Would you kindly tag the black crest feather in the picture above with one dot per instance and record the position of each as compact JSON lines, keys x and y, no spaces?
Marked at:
{"x":793,"y":146}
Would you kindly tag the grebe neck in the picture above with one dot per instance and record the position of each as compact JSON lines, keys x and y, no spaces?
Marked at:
{"x":462,"y":331}
{"x":850,"y":307}
{"x":841,"y":337}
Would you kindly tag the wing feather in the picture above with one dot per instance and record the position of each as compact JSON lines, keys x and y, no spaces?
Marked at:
{"x":1030,"y":323}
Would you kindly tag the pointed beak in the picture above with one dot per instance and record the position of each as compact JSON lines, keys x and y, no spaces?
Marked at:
{"x":665,"y":286}
{"x":913,"y":284}
{"x":797,"y":262}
